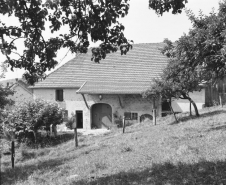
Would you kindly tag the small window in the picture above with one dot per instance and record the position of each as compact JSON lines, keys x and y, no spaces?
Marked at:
{"x":59,"y":95}
{"x":127,"y":115}
{"x":134,"y":116}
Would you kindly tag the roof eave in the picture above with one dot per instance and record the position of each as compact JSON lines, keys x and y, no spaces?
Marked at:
{"x":55,"y":87}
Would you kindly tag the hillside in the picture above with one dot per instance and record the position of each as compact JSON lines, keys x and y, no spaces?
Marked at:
{"x":190,"y":152}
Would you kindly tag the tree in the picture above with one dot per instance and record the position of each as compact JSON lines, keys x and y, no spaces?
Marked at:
{"x":196,"y":58}
{"x":5,"y":92}
{"x":177,"y":79}
{"x":208,"y":49}
{"x":83,"y":18}
{"x":161,"y":6}
{"x":31,"y":116}
{"x":208,"y":43}
{"x":4,"y":99}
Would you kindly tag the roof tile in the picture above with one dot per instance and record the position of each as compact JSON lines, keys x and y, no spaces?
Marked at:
{"x":131,"y":71}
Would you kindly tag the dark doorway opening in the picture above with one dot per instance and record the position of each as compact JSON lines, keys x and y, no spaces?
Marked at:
{"x":101,"y":116}
{"x":79,"y":118}
{"x":166,"y":108}
{"x":146,"y":117}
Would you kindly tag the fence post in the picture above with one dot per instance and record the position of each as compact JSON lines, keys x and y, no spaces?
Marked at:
{"x":123,"y":125}
{"x":154,"y":116}
{"x":12,"y":152}
{"x":154,"y":112}
{"x":75,"y":131}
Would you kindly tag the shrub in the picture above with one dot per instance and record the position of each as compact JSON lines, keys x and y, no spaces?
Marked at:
{"x":71,"y":120}
{"x":26,"y":119}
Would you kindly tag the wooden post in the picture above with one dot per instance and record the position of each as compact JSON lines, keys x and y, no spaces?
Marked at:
{"x":76,"y":137}
{"x":12,"y":153}
{"x":75,"y":131}
{"x":154,"y":116}
{"x":223,"y":97}
{"x":154,"y":112}
{"x":123,"y":124}
{"x":190,"y":109}
{"x":224,"y":89}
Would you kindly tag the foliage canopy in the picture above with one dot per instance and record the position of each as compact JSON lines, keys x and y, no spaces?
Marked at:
{"x":196,"y":58}
{"x":84,"y":19}
{"x":5,"y":92}
{"x":33,"y":115}
{"x":161,"y":6}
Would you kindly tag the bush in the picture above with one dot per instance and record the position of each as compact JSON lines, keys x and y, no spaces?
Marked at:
{"x":70,"y":122}
{"x":26,"y":119}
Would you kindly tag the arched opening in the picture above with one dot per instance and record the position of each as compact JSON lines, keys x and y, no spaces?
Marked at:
{"x":146,"y":117}
{"x":101,"y":115}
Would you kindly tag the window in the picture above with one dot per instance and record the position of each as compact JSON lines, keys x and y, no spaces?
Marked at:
{"x":127,"y":115}
{"x":131,"y":115}
{"x":134,"y":116}
{"x":59,"y":95}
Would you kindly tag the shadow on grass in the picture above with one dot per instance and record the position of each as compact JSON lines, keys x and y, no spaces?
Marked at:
{"x":21,"y":173}
{"x":207,"y":114}
{"x":221,"y":127}
{"x":50,"y":141}
{"x":204,"y":172}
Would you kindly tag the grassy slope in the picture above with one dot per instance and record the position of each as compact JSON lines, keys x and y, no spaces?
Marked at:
{"x":191,"y":152}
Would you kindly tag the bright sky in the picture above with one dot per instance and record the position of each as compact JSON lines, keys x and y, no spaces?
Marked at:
{"x":142,"y":25}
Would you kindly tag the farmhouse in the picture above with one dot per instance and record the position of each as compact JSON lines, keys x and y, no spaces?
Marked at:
{"x":100,"y":94}
{"x":21,"y":91}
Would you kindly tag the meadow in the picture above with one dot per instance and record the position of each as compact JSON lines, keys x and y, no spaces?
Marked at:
{"x":192,"y":151}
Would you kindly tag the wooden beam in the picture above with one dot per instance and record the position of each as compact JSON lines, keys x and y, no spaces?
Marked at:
{"x":120,"y":102}
{"x":84,"y":98}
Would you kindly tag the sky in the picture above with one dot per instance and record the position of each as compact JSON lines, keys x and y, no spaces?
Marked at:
{"x":142,"y":25}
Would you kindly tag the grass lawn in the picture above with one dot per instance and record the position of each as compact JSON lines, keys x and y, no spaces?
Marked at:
{"x":190,"y":152}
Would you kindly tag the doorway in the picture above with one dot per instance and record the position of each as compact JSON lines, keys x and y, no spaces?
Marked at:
{"x":101,"y":115}
{"x":79,"y":118}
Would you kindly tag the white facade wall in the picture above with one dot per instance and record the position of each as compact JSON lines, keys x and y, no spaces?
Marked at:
{"x":20,"y":95}
{"x":75,"y":102}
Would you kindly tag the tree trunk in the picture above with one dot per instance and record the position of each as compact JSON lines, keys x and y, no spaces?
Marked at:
{"x":221,"y":100}
{"x":12,"y":153}
{"x":35,"y":135}
{"x":173,"y":111}
{"x":192,"y":102}
{"x":195,"y":107}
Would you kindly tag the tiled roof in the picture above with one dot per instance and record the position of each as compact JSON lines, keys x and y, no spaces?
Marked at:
{"x":131,"y":71}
